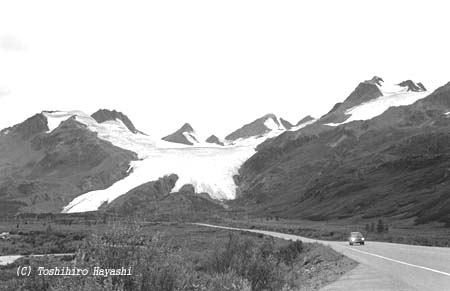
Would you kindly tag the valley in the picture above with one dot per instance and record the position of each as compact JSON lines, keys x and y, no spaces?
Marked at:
{"x":377,"y":163}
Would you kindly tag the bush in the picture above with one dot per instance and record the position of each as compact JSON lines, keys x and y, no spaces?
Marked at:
{"x":154,"y":265}
{"x":255,"y":263}
{"x":238,"y":264}
{"x":225,"y":281}
{"x":290,"y":253}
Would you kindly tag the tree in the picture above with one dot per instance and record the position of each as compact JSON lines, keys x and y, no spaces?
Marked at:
{"x":372,"y":227}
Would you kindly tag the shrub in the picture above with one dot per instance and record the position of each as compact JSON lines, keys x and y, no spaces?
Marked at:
{"x":255,"y":263}
{"x":154,"y":265}
{"x":288,"y":254}
{"x":226,"y":281}
{"x":238,"y":264}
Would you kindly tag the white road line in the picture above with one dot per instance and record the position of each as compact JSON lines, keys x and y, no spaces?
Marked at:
{"x":399,"y":262}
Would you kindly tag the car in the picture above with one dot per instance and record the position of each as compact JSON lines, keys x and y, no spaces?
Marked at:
{"x":356,"y":238}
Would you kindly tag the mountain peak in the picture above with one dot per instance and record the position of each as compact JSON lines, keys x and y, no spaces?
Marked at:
{"x":305,"y":119}
{"x":286,"y":124}
{"x":270,"y":115}
{"x":365,"y":91}
{"x":35,"y":124}
{"x":103,"y":115}
{"x":260,"y":126}
{"x":375,"y":81}
{"x":370,"y":90}
{"x":186,"y":128}
{"x":184,"y":135}
{"x":214,"y":139}
{"x":414,"y":87}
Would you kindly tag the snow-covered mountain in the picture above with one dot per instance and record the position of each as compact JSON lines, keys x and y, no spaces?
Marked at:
{"x":103,"y":156}
{"x":391,"y":161}
{"x":371,"y":98}
{"x":51,"y":143}
{"x":209,"y":166}
{"x":269,"y":123}
{"x":185,"y":135}
{"x":307,"y":120}
{"x":103,"y":115}
{"x":52,"y":157}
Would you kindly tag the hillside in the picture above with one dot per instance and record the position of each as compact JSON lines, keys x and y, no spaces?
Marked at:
{"x":43,"y":168}
{"x":155,"y":200}
{"x":394,"y":165}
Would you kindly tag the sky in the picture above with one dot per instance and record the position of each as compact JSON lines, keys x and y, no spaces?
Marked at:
{"x":214,"y":64}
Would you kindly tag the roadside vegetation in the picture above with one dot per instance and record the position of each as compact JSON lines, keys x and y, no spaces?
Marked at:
{"x":405,"y":231}
{"x":174,"y":256}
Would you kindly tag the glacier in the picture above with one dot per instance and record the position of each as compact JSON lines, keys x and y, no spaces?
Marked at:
{"x":208,"y":167}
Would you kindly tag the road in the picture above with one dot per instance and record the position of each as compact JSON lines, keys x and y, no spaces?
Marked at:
{"x":383,"y":266}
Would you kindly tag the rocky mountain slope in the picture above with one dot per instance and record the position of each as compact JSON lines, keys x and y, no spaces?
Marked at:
{"x":103,"y":115}
{"x":363,"y":158}
{"x":43,"y":168}
{"x":286,"y":124}
{"x":371,"y":98}
{"x":394,"y":165}
{"x":261,"y":126}
{"x":214,"y":139}
{"x":305,"y":119}
{"x":156,"y":200}
{"x":185,"y":135}
{"x":208,"y":167}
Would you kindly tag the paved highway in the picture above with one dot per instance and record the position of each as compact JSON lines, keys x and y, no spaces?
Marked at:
{"x":384,"y":266}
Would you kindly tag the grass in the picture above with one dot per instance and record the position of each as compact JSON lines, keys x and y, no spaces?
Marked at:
{"x":41,"y":238}
{"x":176,"y":256}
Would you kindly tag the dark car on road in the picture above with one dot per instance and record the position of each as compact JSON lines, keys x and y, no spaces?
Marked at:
{"x":356,"y":238}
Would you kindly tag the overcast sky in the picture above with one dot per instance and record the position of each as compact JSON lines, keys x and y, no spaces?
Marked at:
{"x":215,"y":64}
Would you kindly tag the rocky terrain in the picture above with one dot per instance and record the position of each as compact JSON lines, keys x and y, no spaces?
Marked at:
{"x":103,"y":115}
{"x":214,"y":139}
{"x":41,"y":170}
{"x":393,"y":165}
{"x":305,"y":119}
{"x":383,"y":151}
{"x":155,"y":200}
{"x":184,"y":135}
{"x":259,"y":127}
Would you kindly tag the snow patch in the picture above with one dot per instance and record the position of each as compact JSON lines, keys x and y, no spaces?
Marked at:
{"x":372,"y":108}
{"x":271,"y":124}
{"x":191,"y":137}
{"x":393,"y":96}
{"x":390,"y":89}
{"x":301,"y":125}
{"x":55,"y":118}
{"x":333,"y":124}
